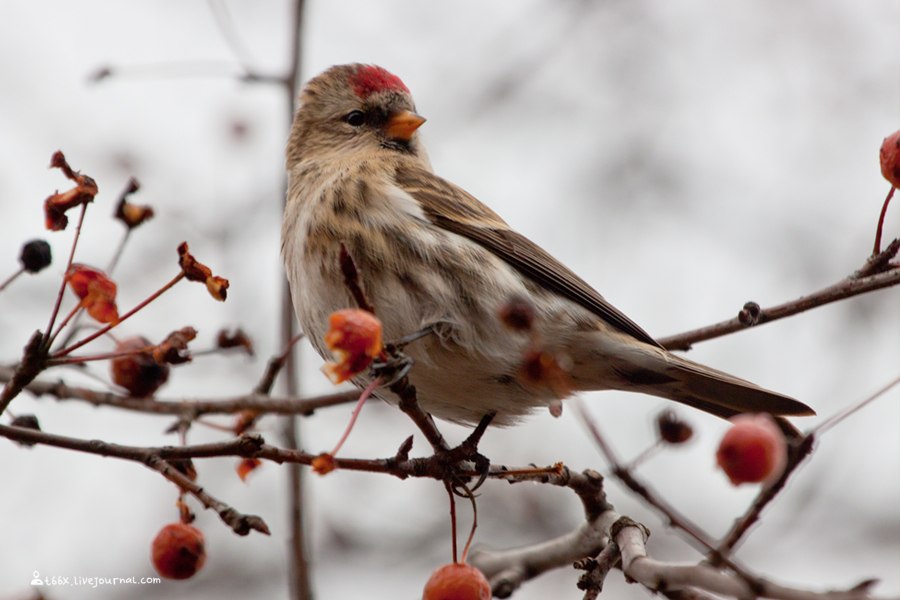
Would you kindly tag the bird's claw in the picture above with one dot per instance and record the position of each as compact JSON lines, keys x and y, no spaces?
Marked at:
{"x":392,"y":369}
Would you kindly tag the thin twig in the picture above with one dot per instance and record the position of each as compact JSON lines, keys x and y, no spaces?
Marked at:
{"x":76,"y":310}
{"x":861,"y":282}
{"x":77,"y":360}
{"x":118,"y":253}
{"x":274,"y":367}
{"x":11,"y":278}
{"x":673,"y":516}
{"x":229,"y":33}
{"x":287,"y":405}
{"x":840,"y":416}
{"x":154,"y":458}
{"x":103,"y":330}
{"x":366,"y":393}
{"x":31,"y":365}
{"x":878,"y":230}
{"x":62,"y":284}
{"x":800,"y":449}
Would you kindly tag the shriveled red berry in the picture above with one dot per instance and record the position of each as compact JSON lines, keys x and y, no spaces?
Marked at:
{"x":457,"y":581}
{"x":35,"y":256}
{"x":753,"y":450}
{"x":179,"y":551}
{"x":138,"y":373}
{"x":890,"y":158}
{"x":96,"y":291}
{"x":354,"y":337}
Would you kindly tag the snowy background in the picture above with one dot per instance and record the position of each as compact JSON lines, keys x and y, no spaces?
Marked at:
{"x":684,"y":157}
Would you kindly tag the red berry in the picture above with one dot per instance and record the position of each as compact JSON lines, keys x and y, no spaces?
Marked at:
{"x":178,"y":551}
{"x":890,"y":158}
{"x":354,"y":337}
{"x":138,"y":373}
{"x":753,"y":450}
{"x":457,"y":581}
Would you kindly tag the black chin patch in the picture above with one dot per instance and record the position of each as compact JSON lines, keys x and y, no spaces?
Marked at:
{"x":398,"y":145}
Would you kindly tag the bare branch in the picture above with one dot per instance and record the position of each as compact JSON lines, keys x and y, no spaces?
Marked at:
{"x":876,"y":274}
{"x":185,"y":408}
{"x":156,"y":459}
{"x":509,"y":569}
{"x":657,"y":575}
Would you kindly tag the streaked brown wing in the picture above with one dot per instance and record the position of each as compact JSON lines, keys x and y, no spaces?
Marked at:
{"x":453,"y":209}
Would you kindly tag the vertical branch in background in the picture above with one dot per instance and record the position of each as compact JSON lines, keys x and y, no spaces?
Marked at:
{"x":298,"y":565}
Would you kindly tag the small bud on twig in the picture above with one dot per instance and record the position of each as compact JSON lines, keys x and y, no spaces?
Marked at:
{"x":750,"y":314}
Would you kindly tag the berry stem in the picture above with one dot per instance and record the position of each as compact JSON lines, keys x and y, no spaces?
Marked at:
{"x":843,"y":414}
{"x":452,"y":520}
{"x":118,"y":253}
{"x":356,"y":410}
{"x":75,"y":310}
{"x":877,"y":247}
{"x":11,"y":278}
{"x":99,"y":332}
{"x":62,"y":285}
{"x":474,"y":525}
{"x":75,"y":360}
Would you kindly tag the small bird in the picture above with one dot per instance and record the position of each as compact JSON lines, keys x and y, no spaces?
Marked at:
{"x":430,"y":255}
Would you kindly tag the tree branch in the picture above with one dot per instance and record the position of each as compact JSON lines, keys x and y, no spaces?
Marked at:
{"x":185,"y":408}
{"x":156,"y":459}
{"x":656,"y":575}
{"x":876,"y":274}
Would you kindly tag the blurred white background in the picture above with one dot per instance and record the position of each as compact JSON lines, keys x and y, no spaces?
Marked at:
{"x":684,"y":157}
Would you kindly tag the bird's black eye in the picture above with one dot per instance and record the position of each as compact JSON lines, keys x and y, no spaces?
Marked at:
{"x":355,"y":118}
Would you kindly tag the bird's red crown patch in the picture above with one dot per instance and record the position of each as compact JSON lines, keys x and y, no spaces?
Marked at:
{"x":369,"y":79}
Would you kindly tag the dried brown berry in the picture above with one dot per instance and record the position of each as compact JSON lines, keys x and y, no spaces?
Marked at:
{"x":130,"y":214}
{"x":55,"y":206}
{"x":173,"y":350}
{"x":194,"y":270}
{"x":672,"y":429}
{"x":138,"y":372}
{"x":235,"y":339}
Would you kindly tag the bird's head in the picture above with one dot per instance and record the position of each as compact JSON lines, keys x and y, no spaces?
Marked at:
{"x":354,"y":108}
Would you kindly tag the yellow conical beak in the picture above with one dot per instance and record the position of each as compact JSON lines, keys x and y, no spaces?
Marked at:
{"x":403,"y":125}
